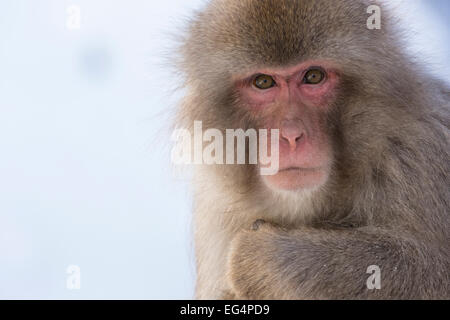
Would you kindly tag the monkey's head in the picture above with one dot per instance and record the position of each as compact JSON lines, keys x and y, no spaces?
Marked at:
{"x":311,"y":69}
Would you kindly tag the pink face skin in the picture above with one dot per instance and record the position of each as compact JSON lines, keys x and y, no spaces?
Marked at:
{"x":298,"y":110}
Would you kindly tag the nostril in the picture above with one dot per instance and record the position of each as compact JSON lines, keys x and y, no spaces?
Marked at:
{"x":291,"y":135}
{"x":292,"y":132}
{"x":292,"y":139}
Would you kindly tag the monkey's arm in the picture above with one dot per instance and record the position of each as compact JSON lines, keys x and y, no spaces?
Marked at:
{"x":312,"y":264}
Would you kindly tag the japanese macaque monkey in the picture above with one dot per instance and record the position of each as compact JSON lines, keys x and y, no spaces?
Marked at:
{"x":364,"y":159}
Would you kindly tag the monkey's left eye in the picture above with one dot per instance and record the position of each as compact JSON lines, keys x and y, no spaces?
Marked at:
{"x":314,"y":76}
{"x":264,"y":82}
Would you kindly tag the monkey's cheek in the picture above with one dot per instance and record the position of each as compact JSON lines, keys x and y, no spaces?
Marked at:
{"x":297,"y":179}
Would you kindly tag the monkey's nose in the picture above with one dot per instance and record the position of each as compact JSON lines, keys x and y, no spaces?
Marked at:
{"x":291,"y":133}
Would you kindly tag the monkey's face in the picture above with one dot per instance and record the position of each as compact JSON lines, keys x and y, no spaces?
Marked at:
{"x":290,"y":71}
{"x":296,"y":101}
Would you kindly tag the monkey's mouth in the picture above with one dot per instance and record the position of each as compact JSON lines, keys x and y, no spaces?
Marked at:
{"x":295,"y":178}
{"x":299,"y":169}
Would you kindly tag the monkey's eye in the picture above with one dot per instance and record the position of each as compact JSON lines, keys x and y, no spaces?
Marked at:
{"x":264,"y":82}
{"x":314,"y":76}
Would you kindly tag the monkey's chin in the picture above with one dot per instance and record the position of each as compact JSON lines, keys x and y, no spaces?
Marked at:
{"x":296,"y":179}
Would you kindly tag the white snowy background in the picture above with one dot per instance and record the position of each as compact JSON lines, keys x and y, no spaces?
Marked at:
{"x":85,"y":177}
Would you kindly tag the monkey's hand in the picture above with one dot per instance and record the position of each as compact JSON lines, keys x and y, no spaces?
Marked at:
{"x":250,"y":261}
{"x":267,"y":262}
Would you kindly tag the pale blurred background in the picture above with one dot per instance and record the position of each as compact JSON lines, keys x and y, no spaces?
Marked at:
{"x":85,"y":177}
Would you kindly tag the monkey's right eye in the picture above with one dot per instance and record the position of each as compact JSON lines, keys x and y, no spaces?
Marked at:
{"x":264,"y":82}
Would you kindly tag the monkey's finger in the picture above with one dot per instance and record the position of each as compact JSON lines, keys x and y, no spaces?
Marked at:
{"x":257,"y":224}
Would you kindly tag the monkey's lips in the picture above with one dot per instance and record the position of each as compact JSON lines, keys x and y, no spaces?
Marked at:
{"x":296,"y":178}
